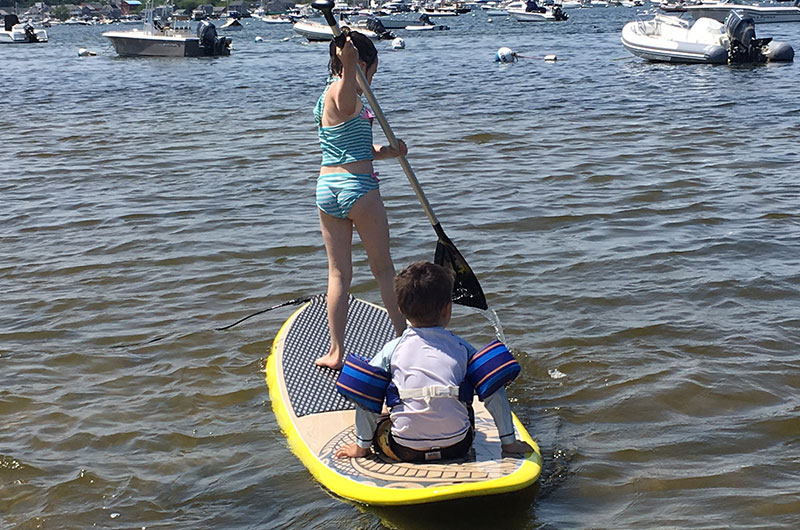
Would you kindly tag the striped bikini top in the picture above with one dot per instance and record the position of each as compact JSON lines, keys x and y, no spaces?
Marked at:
{"x":346,"y":142}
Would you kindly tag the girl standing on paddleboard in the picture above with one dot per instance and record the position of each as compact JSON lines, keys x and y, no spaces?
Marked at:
{"x":347,"y":188}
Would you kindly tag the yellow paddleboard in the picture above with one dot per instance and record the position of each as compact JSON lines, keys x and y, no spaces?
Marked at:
{"x":317,"y":420}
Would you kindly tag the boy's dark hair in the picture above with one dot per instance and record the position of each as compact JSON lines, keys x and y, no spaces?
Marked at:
{"x":423,"y":289}
{"x":366,"y":51}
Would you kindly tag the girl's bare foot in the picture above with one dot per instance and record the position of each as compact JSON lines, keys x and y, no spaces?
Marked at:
{"x":330,"y":360}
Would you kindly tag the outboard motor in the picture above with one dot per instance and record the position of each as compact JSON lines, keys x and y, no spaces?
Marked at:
{"x":559,"y":13}
{"x":30,"y":33}
{"x":210,"y":43}
{"x":373,"y":24}
{"x":744,"y":47}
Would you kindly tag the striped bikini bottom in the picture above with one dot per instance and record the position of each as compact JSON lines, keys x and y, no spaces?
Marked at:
{"x":338,"y":192}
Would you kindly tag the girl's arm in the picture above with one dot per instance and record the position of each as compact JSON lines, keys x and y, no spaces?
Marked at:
{"x":343,"y":94}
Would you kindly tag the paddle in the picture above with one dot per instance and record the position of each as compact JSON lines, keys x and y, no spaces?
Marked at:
{"x":466,"y":291}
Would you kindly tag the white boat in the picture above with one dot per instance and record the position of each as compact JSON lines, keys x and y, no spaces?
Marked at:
{"x":668,"y":38}
{"x":494,"y":8}
{"x":231,"y":24}
{"x":274,"y":19}
{"x":176,"y":40}
{"x":428,"y":27}
{"x":395,"y":21}
{"x":570,"y":4}
{"x":759,"y":14}
{"x":438,"y":13}
{"x":519,"y":10}
{"x":673,"y":7}
{"x":14,"y":32}
{"x":316,"y":32}
{"x":372,"y":24}
{"x":392,"y":21}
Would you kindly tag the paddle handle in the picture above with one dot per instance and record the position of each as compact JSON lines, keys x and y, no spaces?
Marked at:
{"x":326,"y":7}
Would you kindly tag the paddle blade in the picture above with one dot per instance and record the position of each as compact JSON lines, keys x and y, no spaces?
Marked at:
{"x":466,"y":289}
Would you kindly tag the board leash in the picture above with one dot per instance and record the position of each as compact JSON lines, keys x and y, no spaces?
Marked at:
{"x":294,"y":301}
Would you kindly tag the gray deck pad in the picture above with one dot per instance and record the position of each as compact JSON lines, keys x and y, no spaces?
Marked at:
{"x":312,"y":389}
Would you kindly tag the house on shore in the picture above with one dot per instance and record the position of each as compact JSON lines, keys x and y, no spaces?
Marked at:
{"x":128,"y":7}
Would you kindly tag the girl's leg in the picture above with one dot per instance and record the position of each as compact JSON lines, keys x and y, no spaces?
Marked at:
{"x":337,"y":234}
{"x":369,"y":217}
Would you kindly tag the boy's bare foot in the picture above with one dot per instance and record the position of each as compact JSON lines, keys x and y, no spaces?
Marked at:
{"x":351,"y":451}
{"x":330,"y":360}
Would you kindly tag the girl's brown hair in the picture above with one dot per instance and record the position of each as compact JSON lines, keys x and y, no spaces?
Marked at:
{"x":366,"y":51}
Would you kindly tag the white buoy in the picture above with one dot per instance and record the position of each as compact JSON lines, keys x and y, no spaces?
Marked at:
{"x":505,"y":55}
{"x":550,"y":58}
{"x":488,"y":20}
{"x":398,"y":44}
{"x":83,"y":52}
{"x":259,"y":39}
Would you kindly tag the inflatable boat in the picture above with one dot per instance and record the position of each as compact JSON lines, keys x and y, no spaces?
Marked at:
{"x":670,"y":38}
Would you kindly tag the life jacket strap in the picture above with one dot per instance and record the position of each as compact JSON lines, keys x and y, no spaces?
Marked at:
{"x":429,"y":392}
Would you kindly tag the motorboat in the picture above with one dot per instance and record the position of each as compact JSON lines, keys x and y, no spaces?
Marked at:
{"x":669,"y":38}
{"x":532,"y":12}
{"x":428,"y":27}
{"x":438,"y":12}
{"x":373,"y":24}
{"x":231,"y":24}
{"x":173,"y":40}
{"x":759,"y":14}
{"x":317,"y":32}
{"x":14,"y":32}
{"x":390,"y":21}
{"x":673,"y":7}
{"x":395,"y":21}
{"x":275,"y":19}
{"x":495,"y":8}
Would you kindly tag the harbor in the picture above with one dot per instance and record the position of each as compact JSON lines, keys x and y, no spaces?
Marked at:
{"x":632,"y":223}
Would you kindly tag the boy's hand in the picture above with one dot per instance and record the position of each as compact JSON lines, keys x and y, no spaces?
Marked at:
{"x":516,"y":449}
{"x":351,"y":451}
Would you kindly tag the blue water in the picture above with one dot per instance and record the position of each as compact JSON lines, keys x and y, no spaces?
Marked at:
{"x":633,"y":224}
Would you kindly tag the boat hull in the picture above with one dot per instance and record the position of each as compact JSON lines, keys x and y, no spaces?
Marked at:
{"x":636,"y":39}
{"x":315,"y":32}
{"x":129,"y":44}
{"x":18,"y":36}
{"x":523,"y":16}
{"x":396,"y":22}
{"x":428,"y":27}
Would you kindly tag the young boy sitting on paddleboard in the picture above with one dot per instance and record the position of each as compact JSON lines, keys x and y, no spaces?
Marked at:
{"x":427,"y":365}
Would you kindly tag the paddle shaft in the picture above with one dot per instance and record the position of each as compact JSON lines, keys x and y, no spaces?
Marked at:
{"x":387,"y":130}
